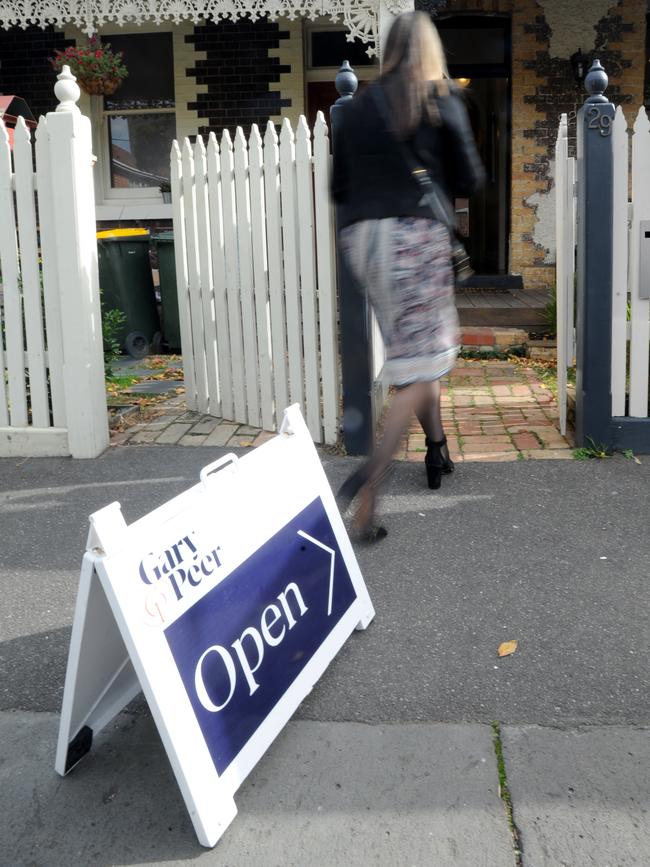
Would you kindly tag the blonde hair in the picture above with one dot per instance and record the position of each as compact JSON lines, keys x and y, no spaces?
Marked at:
{"x":413,"y":59}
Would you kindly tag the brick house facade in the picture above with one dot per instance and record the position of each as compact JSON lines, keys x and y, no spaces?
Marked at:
{"x":545,"y":33}
{"x":238,"y":73}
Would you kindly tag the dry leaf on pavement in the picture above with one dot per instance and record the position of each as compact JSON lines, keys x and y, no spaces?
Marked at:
{"x":507,"y":648}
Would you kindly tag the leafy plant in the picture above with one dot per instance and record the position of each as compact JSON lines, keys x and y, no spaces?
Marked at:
{"x":592,"y":450}
{"x":112,"y":324}
{"x":550,"y":310}
{"x":119,"y":383}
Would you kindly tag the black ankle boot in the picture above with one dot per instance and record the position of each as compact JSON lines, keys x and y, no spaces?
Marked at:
{"x":437,"y":461}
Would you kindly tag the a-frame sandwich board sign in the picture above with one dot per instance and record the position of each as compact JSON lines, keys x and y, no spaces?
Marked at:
{"x":225,"y":606}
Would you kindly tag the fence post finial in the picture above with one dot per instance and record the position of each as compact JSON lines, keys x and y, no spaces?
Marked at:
{"x":346,"y":83}
{"x":67,"y":91}
{"x":596,"y":82}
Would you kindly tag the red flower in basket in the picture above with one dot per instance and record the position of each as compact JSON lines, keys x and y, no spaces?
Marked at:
{"x":97,"y":68}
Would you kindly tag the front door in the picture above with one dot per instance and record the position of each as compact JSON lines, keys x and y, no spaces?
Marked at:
{"x":478,"y":56}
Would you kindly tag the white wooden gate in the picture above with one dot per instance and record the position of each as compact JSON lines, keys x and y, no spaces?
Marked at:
{"x":565,"y":216}
{"x":630,"y":312}
{"x":52,"y":393}
{"x":636,"y":368}
{"x":255,"y":266}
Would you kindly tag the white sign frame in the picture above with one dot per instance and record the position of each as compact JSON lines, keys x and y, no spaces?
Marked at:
{"x":118,"y":649}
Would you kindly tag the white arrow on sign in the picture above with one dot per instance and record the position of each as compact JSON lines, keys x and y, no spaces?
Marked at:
{"x":332,"y":553}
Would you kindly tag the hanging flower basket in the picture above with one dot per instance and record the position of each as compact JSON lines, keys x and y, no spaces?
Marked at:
{"x":98,"y":86}
{"x":99,"y":70}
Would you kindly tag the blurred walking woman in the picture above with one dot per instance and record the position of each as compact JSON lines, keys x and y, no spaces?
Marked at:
{"x":397,"y":249}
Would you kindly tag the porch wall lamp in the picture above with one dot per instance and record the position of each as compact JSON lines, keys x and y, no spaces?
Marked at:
{"x":579,"y":65}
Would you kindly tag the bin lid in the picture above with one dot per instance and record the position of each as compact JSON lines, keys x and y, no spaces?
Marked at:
{"x":163,"y":236}
{"x":123,"y":233}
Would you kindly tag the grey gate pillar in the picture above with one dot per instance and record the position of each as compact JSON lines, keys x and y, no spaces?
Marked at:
{"x":594,"y":263}
{"x":354,"y":314}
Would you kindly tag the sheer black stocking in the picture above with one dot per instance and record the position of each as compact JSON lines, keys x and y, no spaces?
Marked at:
{"x":430,"y":416}
{"x":421,"y":399}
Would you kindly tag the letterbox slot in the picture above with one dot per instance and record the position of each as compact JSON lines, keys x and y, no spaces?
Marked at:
{"x":644,"y":260}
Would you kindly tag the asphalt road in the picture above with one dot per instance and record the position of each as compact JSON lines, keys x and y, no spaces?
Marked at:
{"x":554,"y":554}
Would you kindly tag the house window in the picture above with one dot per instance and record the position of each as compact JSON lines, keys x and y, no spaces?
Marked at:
{"x":139,"y":118}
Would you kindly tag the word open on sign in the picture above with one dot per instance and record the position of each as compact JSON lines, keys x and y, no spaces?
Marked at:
{"x":240,"y":646}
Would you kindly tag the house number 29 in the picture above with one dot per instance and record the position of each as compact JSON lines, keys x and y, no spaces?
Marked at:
{"x":598,"y":120}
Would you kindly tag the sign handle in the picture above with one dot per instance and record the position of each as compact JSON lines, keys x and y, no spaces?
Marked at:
{"x":230,"y":460}
{"x":292,"y":420}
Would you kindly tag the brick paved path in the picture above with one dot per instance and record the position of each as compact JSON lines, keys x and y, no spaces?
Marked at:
{"x":493,"y":411}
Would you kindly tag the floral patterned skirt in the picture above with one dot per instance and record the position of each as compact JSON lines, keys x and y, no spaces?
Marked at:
{"x":403,"y":263}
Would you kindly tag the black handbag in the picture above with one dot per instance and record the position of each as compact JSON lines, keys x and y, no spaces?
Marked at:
{"x":432,"y":195}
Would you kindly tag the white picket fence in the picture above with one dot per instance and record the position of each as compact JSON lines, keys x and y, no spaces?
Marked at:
{"x":630,"y":313}
{"x":255,"y":265}
{"x":52,"y":393}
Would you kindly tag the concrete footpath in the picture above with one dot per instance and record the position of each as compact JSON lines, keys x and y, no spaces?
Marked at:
{"x":394,"y":759}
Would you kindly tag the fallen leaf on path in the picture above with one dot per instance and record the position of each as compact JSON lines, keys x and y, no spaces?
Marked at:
{"x":507,"y":648}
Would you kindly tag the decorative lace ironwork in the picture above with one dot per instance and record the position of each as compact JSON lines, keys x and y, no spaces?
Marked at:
{"x":358,"y":16}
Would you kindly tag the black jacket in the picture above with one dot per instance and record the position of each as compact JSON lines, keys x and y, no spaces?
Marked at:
{"x":371,"y":178}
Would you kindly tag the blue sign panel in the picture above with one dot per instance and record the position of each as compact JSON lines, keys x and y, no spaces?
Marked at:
{"x":241,"y":646}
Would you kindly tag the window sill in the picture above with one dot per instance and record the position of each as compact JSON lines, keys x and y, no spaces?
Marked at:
{"x":133,"y":211}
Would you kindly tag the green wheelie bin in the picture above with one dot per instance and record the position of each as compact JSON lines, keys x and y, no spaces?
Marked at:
{"x":126,"y":284}
{"x":164,"y":245}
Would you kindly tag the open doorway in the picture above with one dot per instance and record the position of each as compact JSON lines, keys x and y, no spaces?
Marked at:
{"x":478,"y":50}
